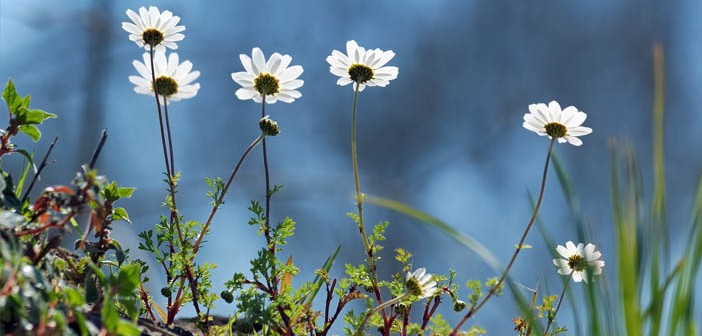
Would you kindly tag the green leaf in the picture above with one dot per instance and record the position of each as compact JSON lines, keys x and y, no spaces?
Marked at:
{"x":318,"y":280}
{"x":25,"y":116}
{"x":32,"y":131}
{"x":112,"y":192}
{"x":73,"y":297}
{"x":25,"y":172}
{"x":120,"y":214}
{"x":119,"y":252}
{"x":11,"y":98}
{"x":110,"y":316}
{"x":125,"y":192}
{"x":127,"y":328}
{"x":127,"y":279}
{"x":91,"y":290}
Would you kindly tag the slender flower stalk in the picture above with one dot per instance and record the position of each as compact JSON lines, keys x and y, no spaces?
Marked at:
{"x":167,"y":79}
{"x":558,"y":306}
{"x":220,"y":199}
{"x":268,"y":179}
{"x":170,"y":139}
{"x":494,"y":289}
{"x":169,"y":171}
{"x":268,"y":81}
{"x":363,"y":68}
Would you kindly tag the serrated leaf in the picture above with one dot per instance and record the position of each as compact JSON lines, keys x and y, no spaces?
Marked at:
{"x":127,"y":280}
{"x":121,"y":214}
{"x":32,"y":131}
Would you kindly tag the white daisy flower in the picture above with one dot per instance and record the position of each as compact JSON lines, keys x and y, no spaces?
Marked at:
{"x":154,"y":28}
{"x":272,"y":78}
{"x":174,"y":80}
{"x":577,"y":260}
{"x":418,"y":284}
{"x":362,"y":67}
{"x":553,"y":122}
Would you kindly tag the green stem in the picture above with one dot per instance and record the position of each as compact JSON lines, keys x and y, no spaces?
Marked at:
{"x":219,"y":200}
{"x":170,"y":141}
{"x":266,"y":229}
{"x":560,"y":300}
{"x":174,"y":220}
{"x":493,"y":290}
{"x":169,"y":169}
{"x":381,"y":306}
{"x":359,"y":205}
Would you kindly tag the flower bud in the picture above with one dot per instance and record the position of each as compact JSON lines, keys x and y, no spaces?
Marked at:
{"x":268,"y":126}
{"x":402,"y":308}
{"x":227,"y":296}
{"x":459,"y":305}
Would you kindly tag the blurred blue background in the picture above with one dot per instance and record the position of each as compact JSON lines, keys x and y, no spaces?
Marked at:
{"x":444,"y":137}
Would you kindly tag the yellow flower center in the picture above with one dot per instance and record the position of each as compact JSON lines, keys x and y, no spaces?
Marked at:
{"x":166,"y":86}
{"x":413,"y":286}
{"x":577,"y":263}
{"x":556,"y":130}
{"x":152,"y":37}
{"x":360,"y":73}
{"x":266,"y":84}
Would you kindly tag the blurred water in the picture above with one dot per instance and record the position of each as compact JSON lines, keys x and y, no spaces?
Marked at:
{"x":445,"y":136}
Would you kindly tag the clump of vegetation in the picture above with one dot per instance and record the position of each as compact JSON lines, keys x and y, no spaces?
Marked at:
{"x":95,"y":288}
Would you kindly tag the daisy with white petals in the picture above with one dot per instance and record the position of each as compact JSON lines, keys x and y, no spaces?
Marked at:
{"x":418,"y":284}
{"x":362,"y":67}
{"x":274,"y":79}
{"x":551,"y":121}
{"x":578,"y":260}
{"x":154,"y":28}
{"x":174,"y":80}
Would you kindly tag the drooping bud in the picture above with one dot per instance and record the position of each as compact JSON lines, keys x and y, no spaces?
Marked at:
{"x":268,"y":126}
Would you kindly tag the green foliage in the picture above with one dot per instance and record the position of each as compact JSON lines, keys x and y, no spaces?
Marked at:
{"x":23,"y":118}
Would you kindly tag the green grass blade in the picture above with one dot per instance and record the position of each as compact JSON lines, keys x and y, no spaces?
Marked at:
{"x":658,"y":233}
{"x":444,"y":228}
{"x":23,"y":176}
{"x":626,"y":220}
{"x":318,"y":280}
{"x":682,"y":319}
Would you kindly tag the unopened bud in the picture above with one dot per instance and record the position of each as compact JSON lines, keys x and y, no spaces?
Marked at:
{"x":402,"y":308}
{"x":459,"y":305}
{"x":268,"y":126}
{"x":227,"y":296}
